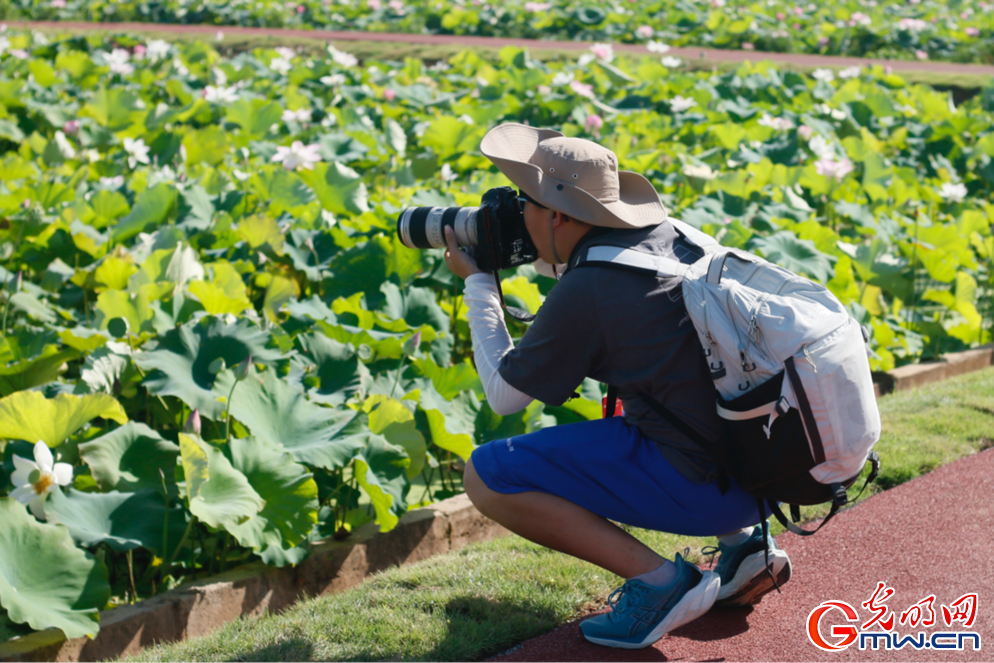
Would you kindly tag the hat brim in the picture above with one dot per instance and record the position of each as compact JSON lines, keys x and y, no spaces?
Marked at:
{"x":511,"y":146}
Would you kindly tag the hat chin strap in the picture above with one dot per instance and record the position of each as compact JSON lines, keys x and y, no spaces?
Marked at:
{"x":552,"y":242}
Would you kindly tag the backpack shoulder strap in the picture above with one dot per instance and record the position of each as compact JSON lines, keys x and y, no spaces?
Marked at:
{"x":643,"y":262}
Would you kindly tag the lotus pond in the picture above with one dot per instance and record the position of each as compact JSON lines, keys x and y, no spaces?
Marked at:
{"x":215,"y":349}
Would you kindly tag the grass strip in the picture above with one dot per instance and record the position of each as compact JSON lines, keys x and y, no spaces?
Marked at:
{"x":477,"y":602}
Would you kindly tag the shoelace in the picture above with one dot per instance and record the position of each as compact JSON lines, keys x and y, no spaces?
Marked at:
{"x":617,"y":595}
{"x":711,"y":551}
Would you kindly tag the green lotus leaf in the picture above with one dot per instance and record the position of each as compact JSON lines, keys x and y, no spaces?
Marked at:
{"x":101,"y":369}
{"x":286,"y":487}
{"x":279,"y":557}
{"x":254,"y":116}
{"x":341,"y":147}
{"x":383,"y":344}
{"x":83,"y":339}
{"x":275,"y":412}
{"x":339,"y":188}
{"x":218,"y":494}
{"x":798,"y":255}
{"x":395,"y":421}
{"x":33,"y":307}
{"x":130,"y":458}
{"x":124,"y":521}
{"x":451,"y":380}
{"x":380,"y":469}
{"x":415,"y":306}
{"x":45,"y":580}
{"x":29,"y":358}
{"x":179,"y":364}
{"x":451,"y":424}
{"x":339,"y":370}
{"x":224,"y":293}
{"x":365,"y":266}
{"x":151,"y":209}
{"x":29,"y":416}
{"x":450,"y":137}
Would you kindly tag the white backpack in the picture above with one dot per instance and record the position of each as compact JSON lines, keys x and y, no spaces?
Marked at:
{"x":779,"y":346}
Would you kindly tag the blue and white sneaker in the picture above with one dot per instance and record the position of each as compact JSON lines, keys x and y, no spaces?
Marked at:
{"x":642,"y":613}
{"x":742,"y":569}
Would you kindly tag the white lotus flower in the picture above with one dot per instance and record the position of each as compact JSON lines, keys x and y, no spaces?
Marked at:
{"x":821,"y":148}
{"x":603,"y":51}
{"x":823,"y":75}
{"x":118,"y":60}
{"x":280,"y":65}
{"x":832,"y":168}
{"x":300,"y":115}
{"x":912,"y":24}
{"x":582,"y":89}
{"x":156,"y":49}
{"x":778,"y":123}
{"x":702,"y":172}
{"x":4,"y":45}
{"x":953,"y":193}
{"x":220,"y":94}
{"x":36,"y":479}
{"x":285,"y":53}
{"x":671,"y":62}
{"x":657,"y":47}
{"x":562,"y":78}
{"x":137,"y":151}
{"x":585,"y":59}
{"x":66,"y":148}
{"x":679,"y":104}
{"x":220,"y":77}
{"x":341,"y":57}
{"x":851,"y":72}
{"x":298,"y":155}
{"x":447,"y":174}
{"x":333,"y":79}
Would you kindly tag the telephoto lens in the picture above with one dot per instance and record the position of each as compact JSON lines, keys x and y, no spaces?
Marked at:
{"x":424,"y":227}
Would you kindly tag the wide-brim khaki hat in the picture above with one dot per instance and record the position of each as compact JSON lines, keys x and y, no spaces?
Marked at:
{"x":575,"y":176}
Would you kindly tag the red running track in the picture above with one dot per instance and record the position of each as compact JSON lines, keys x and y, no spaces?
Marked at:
{"x":932,"y":535}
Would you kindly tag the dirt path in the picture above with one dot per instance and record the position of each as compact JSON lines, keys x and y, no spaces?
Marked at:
{"x":690,"y":53}
{"x":931,"y":535}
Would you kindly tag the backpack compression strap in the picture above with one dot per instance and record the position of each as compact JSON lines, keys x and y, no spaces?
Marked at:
{"x":839,"y":501}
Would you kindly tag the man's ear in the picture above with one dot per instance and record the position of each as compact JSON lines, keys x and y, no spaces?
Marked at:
{"x":562,"y":218}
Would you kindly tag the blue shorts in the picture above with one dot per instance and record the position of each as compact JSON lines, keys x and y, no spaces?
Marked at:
{"x":613,"y":470}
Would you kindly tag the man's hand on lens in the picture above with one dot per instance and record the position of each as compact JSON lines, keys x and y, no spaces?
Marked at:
{"x":459,"y":262}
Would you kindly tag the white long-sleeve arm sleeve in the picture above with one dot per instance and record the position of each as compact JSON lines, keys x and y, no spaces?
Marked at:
{"x":490,"y":343}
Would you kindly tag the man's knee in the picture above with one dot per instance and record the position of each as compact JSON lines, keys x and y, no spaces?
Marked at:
{"x":477,"y":491}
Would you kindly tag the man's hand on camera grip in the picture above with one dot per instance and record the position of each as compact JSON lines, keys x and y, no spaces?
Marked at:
{"x":459,"y":262}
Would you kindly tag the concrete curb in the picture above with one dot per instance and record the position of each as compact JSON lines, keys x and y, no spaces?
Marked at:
{"x":199,"y":608}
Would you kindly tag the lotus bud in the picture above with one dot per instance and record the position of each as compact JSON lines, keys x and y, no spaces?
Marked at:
{"x":71,"y":127}
{"x":242,"y":370}
{"x":411,"y":344}
{"x":193,"y":422}
{"x":216,"y":366}
{"x":19,"y":282}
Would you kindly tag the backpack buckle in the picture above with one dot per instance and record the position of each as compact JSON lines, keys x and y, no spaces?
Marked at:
{"x":746,"y":367}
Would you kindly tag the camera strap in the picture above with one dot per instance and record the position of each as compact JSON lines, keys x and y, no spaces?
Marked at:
{"x":514,"y":311}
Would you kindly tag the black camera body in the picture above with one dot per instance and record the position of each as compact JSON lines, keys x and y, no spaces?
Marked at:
{"x":494,"y":232}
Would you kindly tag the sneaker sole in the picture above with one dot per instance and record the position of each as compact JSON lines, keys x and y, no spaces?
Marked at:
{"x":694,"y":603}
{"x":751,"y":581}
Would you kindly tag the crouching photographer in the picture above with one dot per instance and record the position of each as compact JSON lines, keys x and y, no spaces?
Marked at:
{"x":562,"y":486}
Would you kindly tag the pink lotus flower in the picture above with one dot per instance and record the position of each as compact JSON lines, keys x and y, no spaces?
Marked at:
{"x":832,"y":168}
{"x":603,"y":51}
{"x":746,"y":46}
{"x":798,"y":11}
{"x":301,"y":9}
{"x":71,"y":127}
{"x":921,"y":55}
{"x":538,"y":6}
{"x":375,"y":5}
{"x":796,"y":26}
{"x":58,"y":4}
{"x":389,"y":94}
{"x":582,"y":89}
{"x":781,"y":16}
{"x":645,"y":31}
{"x":823,"y":41}
{"x":594,"y":122}
{"x":804,"y":131}
{"x":397,"y":6}
{"x":193,"y":424}
{"x":973,"y":32}
{"x":140,"y":51}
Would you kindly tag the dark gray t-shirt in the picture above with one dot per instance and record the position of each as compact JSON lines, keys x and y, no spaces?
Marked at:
{"x":630,"y":330}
